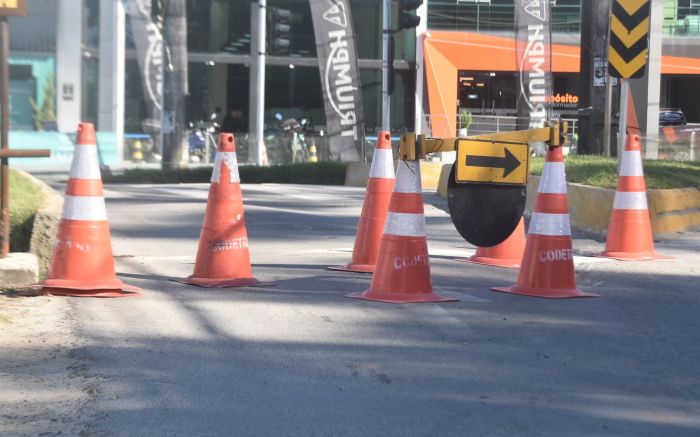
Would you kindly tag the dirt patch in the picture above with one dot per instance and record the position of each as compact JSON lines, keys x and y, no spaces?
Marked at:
{"x":44,"y":388}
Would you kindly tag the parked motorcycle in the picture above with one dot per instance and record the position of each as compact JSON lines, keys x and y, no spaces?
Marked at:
{"x":202,"y":140}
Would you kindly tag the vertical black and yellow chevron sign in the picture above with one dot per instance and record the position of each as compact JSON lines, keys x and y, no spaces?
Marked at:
{"x":629,"y":36}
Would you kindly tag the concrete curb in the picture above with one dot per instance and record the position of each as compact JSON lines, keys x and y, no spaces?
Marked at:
{"x":45,"y":228}
{"x":671,"y":211}
{"x":18,"y":270}
{"x":357,"y":174}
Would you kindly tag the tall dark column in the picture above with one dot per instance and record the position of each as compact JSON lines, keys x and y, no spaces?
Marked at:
{"x":174,"y":83}
{"x":595,"y":19}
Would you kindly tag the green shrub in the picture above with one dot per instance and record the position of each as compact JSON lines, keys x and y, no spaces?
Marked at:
{"x":599,"y":171}
{"x":321,"y":173}
{"x":25,"y":199}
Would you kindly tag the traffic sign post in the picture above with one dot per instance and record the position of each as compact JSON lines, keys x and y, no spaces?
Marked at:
{"x":628,"y":50}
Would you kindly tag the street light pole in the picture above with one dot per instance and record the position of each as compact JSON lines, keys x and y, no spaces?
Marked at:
{"x":260,"y":85}
{"x":386,"y":35}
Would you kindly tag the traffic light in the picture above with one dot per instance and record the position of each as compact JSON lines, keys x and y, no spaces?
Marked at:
{"x":278,"y":30}
{"x":407,"y":19}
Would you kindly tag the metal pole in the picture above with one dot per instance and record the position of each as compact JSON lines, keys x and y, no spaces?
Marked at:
{"x":622,"y":129}
{"x":386,"y":98}
{"x":260,"y":91}
{"x":4,"y":130}
{"x":608,"y":115}
{"x":420,"y":63}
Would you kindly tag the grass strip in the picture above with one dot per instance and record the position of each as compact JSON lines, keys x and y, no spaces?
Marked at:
{"x":600,"y":171}
{"x":25,"y":199}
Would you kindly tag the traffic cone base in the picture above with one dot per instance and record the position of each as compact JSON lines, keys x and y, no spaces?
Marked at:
{"x":493,"y":262}
{"x":124,"y":291}
{"x":406,"y":298}
{"x":221,"y":283}
{"x":562,"y":293}
{"x":356,"y":268}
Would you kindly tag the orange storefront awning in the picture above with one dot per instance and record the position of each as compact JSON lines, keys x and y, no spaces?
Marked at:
{"x":447,"y":52}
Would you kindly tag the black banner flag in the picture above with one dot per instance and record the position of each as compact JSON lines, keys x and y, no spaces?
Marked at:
{"x":340,"y":77}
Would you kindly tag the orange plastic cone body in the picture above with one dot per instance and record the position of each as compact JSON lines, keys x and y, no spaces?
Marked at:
{"x":402,"y":272}
{"x":507,"y":254}
{"x":547,"y":268}
{"x":82,"y":263}
{"x":629,"y":233}
{"x":223,"y":259}
{"x":374,"y":209}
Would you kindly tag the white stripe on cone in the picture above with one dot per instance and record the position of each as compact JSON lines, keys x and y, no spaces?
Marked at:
{"x":229,"y":160}
{"x":630,"y":200}
{"x":405,"y":224}
{"x":408,"y":177}
{"x":631,"y":163}
{"x":382,"y":164}
{"x":553,"y":179}
{"x":85,"y":164}
{"x":555,"y":225}
{"x":91,"y":208}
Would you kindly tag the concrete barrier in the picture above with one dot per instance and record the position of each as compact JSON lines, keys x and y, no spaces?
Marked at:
{"x":45,"y":228}
{"x":674,"y":210}
{"x":357,"y":174}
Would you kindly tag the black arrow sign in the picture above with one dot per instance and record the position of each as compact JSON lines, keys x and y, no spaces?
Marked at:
{"x":508,"y":163}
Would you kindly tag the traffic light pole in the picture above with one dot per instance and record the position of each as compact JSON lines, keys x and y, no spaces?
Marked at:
{"x":260,"y":83}
{"x":386,"y":98}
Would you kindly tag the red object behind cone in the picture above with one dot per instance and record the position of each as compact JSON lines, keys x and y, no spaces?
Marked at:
{"x":508,"y":254}
{"x":374,"y":209}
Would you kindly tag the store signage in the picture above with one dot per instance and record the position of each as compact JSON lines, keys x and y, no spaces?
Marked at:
{"x":533,"y":51}
{"x":492,"y":162}
{"x":16,"y":8}
{"x":340,"y":78}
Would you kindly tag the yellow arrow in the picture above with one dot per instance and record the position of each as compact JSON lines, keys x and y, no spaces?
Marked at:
{"x":631,"y":6}
{"x":627,"y":69}
{"x":629,"y":37}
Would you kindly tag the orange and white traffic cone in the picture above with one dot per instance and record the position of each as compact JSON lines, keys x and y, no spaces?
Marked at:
{"x":548,"y":264}
{"x":223,"y":259}
{"x":374,"y":209}
{"x":402,"y":272}
{"x":507,"y":254}
{"x":629,"y":232}
{"x":82,"y":263}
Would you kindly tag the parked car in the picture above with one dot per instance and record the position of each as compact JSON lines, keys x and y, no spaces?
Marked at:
{"x":671,"y":117}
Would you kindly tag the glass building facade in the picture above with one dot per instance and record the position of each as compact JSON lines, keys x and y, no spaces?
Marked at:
{"x":219,"y":46}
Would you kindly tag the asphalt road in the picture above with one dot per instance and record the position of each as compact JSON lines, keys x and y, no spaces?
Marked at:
{"x":301,"y":359}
